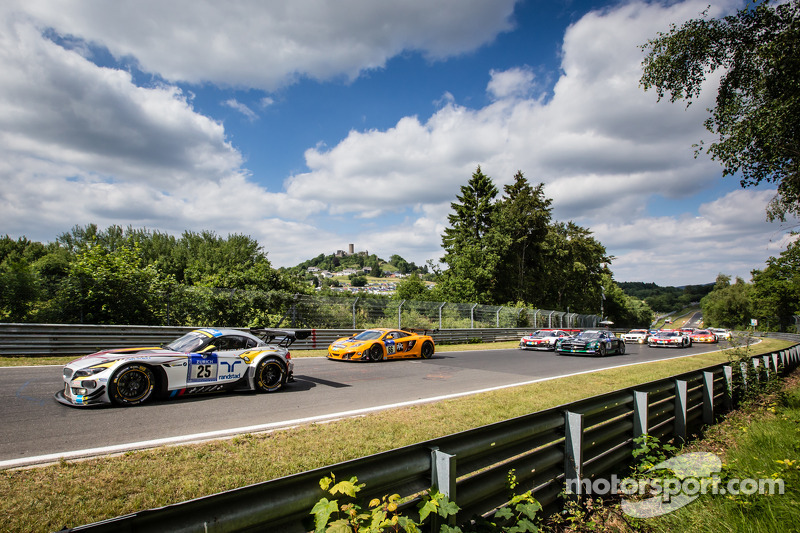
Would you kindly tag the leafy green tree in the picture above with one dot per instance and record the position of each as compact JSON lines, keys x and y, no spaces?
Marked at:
{"x":113,"y":286}
{"x":357,"y":280}
{"x":576,"y":262}
{"x":757,"y":109}
{"x":728,"y":305}
{"x":776,"y":289}
{"x":19,"y":289}
{"x":625,"y":311}
{"x":412,"y":288}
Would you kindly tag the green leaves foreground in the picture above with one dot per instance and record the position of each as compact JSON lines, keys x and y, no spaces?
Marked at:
{"x":435,"y":509}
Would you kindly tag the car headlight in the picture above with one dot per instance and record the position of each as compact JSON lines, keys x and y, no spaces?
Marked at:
{"x":89,"y":372}
{"x":592,"y":344}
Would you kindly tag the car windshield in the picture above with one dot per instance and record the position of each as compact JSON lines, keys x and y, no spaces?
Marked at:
{"x":540,"y":334}
{"x":637,"y":331}
{"x":589,"y":335}
{"x":702,"y":332}
{"x":188,"y":343}
{"x":668,"y":334}
{"x":368,"y":335}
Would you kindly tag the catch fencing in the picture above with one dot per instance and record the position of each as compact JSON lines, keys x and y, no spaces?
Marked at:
{"x":588,"y":439}
{"x":64,"y":339}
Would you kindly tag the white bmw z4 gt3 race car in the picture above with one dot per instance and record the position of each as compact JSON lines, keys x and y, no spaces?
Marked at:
{"x":204,"y":360}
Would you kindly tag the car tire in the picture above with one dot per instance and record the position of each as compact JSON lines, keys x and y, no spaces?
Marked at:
{"x":601,"y":350}
{"x":427,"y":350}
{"x":270,"y":375}
{"x":132,"y":384}
{"x":622,"y":348}
{"x":375,"y":353}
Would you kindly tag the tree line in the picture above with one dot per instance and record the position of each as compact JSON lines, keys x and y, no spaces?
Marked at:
{"x":498,"y":251}
{"x":131,"y":276}
{"x":771,"y":298}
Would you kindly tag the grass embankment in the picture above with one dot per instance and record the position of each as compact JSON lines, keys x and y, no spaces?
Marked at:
{"x":72,"y":494}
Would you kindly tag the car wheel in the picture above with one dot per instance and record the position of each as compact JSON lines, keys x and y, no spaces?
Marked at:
{"x":270,"y":375}
{"x":427,"y":350}
{"x":131,"y":385}
{"x":376,"y":353}
{"x":601,"y":350}
{"x":622,"y":348}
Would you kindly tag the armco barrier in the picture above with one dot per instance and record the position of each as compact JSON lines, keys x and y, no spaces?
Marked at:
{"x":591,"y":438}
{"x":70,"y":339}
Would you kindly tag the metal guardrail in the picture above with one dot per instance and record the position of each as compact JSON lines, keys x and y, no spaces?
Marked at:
{"x":71,"y":339}
{"x":587,"y":439}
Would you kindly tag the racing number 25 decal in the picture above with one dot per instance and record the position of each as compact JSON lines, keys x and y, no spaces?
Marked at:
{"x":202,"y":368}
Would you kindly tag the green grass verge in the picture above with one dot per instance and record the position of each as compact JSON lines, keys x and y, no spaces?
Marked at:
{"x":75,"y":493}
{"x":759,"y":441}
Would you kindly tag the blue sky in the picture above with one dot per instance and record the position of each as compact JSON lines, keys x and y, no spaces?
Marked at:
{"x":311,"y":124}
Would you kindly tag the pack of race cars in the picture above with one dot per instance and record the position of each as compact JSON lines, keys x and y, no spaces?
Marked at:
{"x":213,"y":360}
{"x":604,"y":342}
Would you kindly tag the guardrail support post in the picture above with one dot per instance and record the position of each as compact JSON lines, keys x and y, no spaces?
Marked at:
{"x":727,"y":373}
{"x":743,"y":366}
{"x":640,"y":413}
{"x":708,"y":397}
{"x":681,"y":398}
{"x":443,"y":480}
{"x":573,"y":452}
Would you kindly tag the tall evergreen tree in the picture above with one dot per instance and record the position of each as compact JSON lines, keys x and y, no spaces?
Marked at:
{"x":472,"y":249}
{"x":523,"y":215}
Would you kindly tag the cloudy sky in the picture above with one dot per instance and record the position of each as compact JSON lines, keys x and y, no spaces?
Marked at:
{"x":312,"y":124}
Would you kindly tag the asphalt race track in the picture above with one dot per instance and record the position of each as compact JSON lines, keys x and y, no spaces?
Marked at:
{"x":34,"y":428}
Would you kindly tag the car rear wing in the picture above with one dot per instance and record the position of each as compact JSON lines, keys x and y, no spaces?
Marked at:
{"x":287,"y":336}
{"x":420,"y":331}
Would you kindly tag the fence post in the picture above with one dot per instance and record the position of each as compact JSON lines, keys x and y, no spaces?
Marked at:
{"x":708,"y":397}
{"x":681,"y":397}
{"x":440,"y":314}
{"x":497,"y":320}
{"x":641,"y":410}
{"x":354,"y":311}
{"x":472,"y":317}
{"x":399,"y":315}
{"x":573,"y":452}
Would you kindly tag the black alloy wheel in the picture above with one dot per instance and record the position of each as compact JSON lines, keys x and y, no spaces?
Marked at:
{"x":270,"y":375}
{"x":131,"y":385}
{"x":376,"y":353}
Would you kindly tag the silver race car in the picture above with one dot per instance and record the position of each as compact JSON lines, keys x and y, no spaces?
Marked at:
{"x":204,"y":360}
